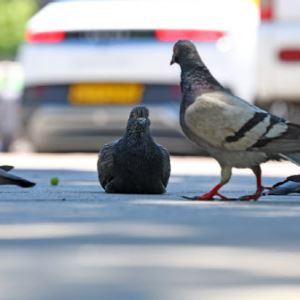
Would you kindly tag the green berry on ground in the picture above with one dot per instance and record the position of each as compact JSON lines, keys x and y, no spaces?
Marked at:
{"x":54,"y":180}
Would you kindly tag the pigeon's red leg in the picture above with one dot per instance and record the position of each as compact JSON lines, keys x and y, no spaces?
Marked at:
{"x":221,"y":196}
{"x":259,"y":188}
{"x":225,"y":175}
{"x":210,"y":195}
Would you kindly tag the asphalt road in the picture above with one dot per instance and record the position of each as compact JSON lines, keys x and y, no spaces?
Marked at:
{"x":73,"y":241}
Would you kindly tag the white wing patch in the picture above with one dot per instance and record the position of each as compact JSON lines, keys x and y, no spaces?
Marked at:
{"x":216,"y":117}
{"x":277,"y":130}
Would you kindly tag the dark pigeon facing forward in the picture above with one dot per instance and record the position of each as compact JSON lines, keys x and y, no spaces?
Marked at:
{"x":234,"y":132}
{"x":8,"y":178}
{"x":134,"y":163}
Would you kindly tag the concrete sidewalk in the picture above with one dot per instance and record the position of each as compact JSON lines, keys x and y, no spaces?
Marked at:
{"x":74,"y":242}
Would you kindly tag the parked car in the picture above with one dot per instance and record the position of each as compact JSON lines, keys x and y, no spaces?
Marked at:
{"x":278,"y":72}
{"x":86,"y":63}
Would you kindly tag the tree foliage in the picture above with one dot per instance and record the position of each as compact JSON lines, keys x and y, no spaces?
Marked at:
{"x":13,"y":17}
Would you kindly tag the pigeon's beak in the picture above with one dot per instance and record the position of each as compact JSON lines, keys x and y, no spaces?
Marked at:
{"x":141,"y":121}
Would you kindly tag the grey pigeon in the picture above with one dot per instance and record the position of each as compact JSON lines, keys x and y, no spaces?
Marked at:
{"x":8,"y":178}
{"x":290,"y":185}
{"x":234,"y":132}
{"x":134,"y":163}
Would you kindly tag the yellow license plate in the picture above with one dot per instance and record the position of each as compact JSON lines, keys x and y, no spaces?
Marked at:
{"x":106,"y":93}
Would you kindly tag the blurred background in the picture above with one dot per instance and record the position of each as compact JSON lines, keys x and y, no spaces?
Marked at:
{"x":70,"y":71}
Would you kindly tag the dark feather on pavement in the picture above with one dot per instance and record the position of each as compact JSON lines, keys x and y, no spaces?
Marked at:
{"x":290,"y":185}
{"x":10,"y":179}
{"x":134,"y":163}
{"x":6,"y":168}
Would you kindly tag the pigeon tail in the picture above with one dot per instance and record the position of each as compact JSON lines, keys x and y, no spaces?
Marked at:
{"x":292,"y":157}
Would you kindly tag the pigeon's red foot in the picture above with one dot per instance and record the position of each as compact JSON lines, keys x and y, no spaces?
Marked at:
{"x":207,"y":197}
{"x":198,"y":198}
{"x":259,"y":187}
{"x":210,"y":195}
{"x":222,"y":196}
{"x":251,"y":197}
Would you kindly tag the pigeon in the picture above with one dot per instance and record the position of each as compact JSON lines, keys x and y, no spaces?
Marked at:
{"x":134,"y":163}
{"x":8,"y":178}
{"x":290,"y":185}
{"x":231,"y":130}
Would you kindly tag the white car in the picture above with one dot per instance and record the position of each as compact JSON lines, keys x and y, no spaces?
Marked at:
{"x":278,"y":72}
{"x":87,"y":62}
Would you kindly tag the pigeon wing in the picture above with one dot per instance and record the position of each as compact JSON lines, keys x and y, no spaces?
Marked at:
{"x":105,"y":164}
{"x":230,"y":123}
{"x":287,"y":141}
{"x":166,"y":166}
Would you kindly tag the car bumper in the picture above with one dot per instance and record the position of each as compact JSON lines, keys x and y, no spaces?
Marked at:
{"x":75,"y":129}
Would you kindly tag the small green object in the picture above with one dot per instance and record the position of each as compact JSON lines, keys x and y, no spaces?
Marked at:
{"x":54,"y":180}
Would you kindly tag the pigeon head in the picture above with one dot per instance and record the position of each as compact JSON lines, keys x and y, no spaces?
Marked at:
{"x":138,"y":121}
{"x":195,"y":77}
{"x":185,"y":53}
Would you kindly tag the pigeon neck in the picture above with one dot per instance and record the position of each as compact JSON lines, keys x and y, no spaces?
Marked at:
{"x":198,"y":79}
{"x":137,"y":138}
